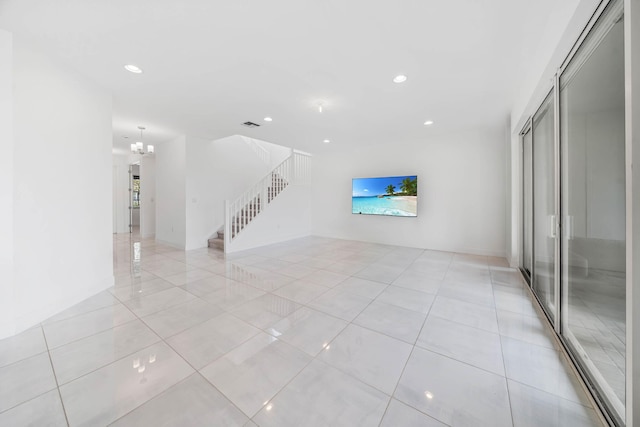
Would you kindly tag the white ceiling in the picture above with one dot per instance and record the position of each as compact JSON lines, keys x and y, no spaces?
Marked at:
{"x":211,"y":65}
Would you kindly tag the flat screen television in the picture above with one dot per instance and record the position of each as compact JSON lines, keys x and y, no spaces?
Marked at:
{"x":389,"y":195}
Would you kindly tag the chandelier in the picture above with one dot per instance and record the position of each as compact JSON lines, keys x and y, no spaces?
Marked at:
{"x":138,"y":147}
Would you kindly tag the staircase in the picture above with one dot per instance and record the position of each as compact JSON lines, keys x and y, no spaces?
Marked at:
{"x":250,"y":211}
{"x":246,"y":215}
{"x":262,"y":153}
{"x":278,"y":183}
{"x":242,"y":211}
{"x":217,"y":242}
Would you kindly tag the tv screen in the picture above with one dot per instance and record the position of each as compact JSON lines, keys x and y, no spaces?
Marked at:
{"x":391,"y":195}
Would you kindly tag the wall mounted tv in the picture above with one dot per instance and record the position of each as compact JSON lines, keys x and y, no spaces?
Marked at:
{"x":390,"y":195}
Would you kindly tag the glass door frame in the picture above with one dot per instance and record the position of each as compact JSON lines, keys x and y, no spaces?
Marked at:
{"x":592,"y":377}
{"x":553,"y":317}
{"x":557,"y":204}
{"x":528,"y":128}
{"x":529,"y":276}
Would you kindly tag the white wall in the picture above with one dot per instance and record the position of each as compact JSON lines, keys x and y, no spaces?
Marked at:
{"x":7,"y":321}
{"x":148,"y":196}
{"x":554,"y":43}
{"x":276,"y":153}
{"x":170,"y":192}
{"x":287,"y":217}
{"x":461,"y":193}
{"x":216,"y":171}
{"x":62,"y":196}
{"x":194,"y":176}
{"x":205,"y":189}
{"x":511,"y":238}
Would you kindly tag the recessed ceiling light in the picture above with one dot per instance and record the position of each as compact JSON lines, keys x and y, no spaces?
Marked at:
{"x":400,"y":78}
{"x":133,"y":68}
{"x":428,"y":123}
{"x":326,"y":141}
{"x":268,"y":119}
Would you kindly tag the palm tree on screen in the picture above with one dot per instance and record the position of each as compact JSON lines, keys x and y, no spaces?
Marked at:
{"x":409,"y":186}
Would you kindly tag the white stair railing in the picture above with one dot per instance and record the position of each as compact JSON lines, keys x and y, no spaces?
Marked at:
{"x":301,"y":164}
{"x":241,"y":211}
{"x":263,"y":154}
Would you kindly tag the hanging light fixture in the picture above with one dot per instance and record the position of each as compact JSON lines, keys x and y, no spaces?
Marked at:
{"x":138,"y":147}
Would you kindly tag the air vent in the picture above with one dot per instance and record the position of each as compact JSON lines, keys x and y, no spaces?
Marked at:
{"x":251,"y":125}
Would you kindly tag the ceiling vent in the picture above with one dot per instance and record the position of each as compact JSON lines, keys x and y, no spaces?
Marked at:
{"x":251,"y":125}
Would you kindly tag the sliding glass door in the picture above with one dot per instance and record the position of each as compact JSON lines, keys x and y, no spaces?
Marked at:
{"x":539,"y":218}
{"x":593,"y":207}
{"x":543,"y":280}
{"x":573,"y":208}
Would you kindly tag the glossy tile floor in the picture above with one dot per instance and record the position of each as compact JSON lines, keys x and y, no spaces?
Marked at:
{"x":313,"y":332}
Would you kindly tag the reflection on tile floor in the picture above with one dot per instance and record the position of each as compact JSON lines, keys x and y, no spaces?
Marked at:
{"x":313,"y":332}
{"x":596,"y":316}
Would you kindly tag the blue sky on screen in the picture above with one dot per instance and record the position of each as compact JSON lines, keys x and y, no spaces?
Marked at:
{"x":363,"y":187}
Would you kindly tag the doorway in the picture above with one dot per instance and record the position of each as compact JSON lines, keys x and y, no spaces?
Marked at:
{"x":134,"y":198}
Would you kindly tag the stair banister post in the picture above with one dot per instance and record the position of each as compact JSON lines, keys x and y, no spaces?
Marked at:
{"x":290,"y":178}
{"x":292,"y":169}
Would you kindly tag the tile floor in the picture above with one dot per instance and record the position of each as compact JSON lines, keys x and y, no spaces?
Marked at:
{"x":312,"y":332}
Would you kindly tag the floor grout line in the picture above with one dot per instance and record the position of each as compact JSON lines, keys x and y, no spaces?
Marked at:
{"x":64,"y":409}
{"x":322,"y":246}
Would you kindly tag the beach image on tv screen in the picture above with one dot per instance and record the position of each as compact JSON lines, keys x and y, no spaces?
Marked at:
{"x":391,"y":195}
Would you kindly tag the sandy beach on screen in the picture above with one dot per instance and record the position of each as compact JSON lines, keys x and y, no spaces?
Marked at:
{"x":406,"y":203}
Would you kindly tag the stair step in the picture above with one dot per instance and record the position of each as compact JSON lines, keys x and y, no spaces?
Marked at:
{"x":216,"y":243}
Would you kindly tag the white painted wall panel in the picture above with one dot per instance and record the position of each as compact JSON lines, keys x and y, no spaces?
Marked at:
{"x":170,"y":192}
{"x":461,"y":193}
{"x":62,"y":186}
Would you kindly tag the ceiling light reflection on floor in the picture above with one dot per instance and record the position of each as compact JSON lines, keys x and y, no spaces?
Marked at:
{"x":133,"y":68}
